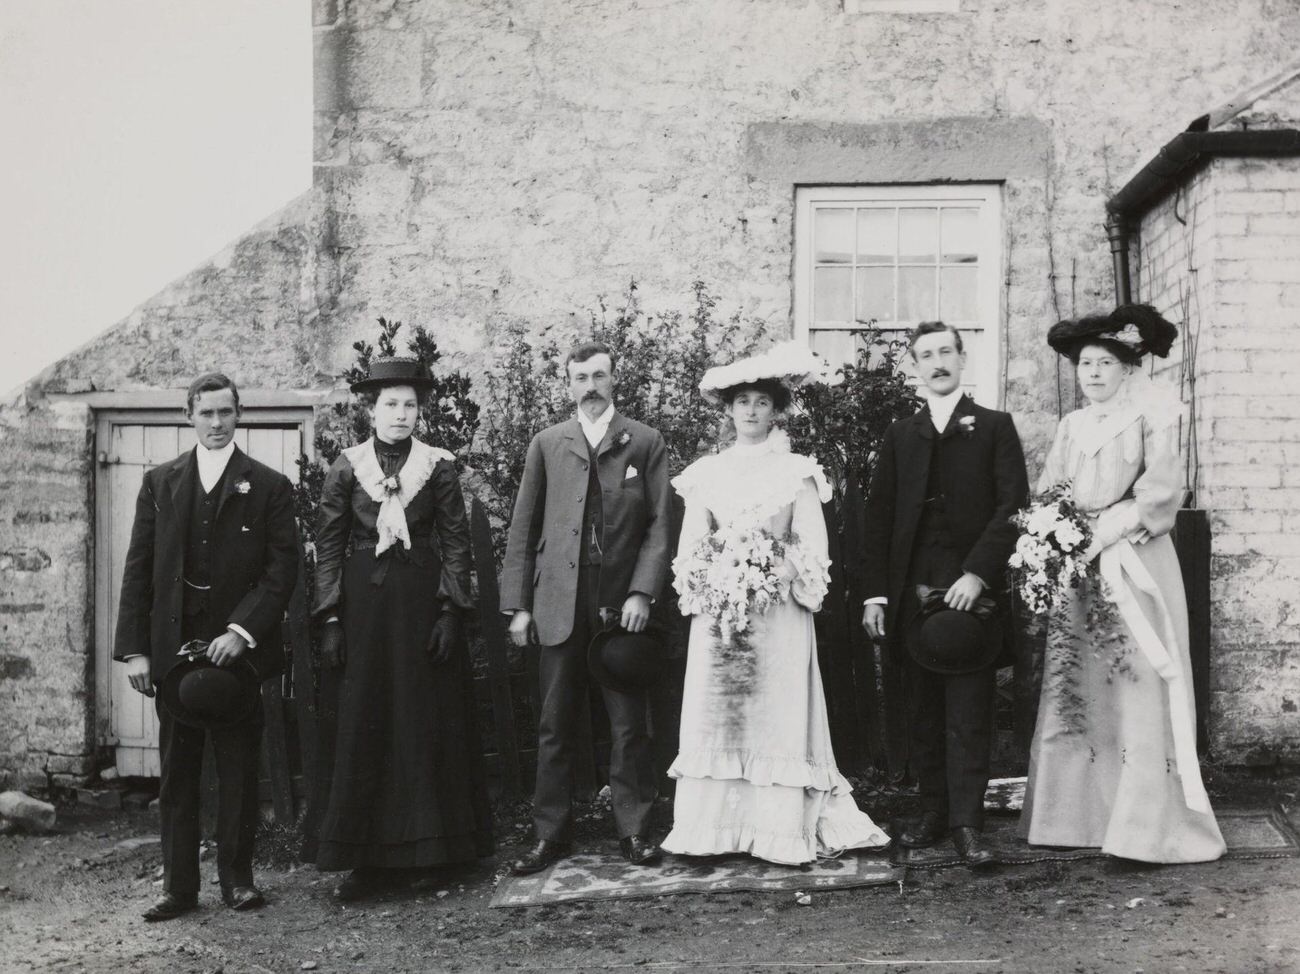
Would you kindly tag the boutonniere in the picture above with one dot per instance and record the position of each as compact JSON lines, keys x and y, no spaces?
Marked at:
{"x":391,"y":485}
{"x":622,"y":440}
{"x":966,"y":424}
{"x":243,"y":487}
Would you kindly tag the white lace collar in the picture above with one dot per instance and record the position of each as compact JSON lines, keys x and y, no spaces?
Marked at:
{"x":392,"y":494}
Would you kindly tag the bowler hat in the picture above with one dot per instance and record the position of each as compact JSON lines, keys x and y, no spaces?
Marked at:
{"x":625,"y":661}
{"x":397,"y":370}
{"x":953,"y":641}
{"x":199,"y":693}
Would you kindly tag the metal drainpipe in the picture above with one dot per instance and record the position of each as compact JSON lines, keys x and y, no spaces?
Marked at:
{"x":1117,"y":231}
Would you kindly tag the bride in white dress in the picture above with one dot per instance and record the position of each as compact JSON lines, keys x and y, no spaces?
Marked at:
{"x":755,"y":771}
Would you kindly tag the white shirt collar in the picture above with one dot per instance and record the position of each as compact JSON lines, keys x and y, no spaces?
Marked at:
{"x":212,"y":463}
{"x":941,"y":408}
{"x":594,"y":429}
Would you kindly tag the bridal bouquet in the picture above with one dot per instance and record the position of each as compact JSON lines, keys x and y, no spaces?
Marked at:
{"x":1048,"y":559}
{"x":731,"y":572}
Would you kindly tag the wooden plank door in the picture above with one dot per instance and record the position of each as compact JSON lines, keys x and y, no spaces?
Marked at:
{"x":127,"y":449}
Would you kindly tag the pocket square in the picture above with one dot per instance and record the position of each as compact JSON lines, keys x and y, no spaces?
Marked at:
{"x":243,"y":528}
{"x":631,"y":472}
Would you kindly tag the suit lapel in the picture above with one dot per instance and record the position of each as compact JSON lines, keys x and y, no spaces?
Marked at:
{"x":577,"y":439}
{"x":964,"y":407}
{"x":237,"y":470}
{"x":617,"y":425}
{"x":915,"y":460}
{"x":181,"y":480}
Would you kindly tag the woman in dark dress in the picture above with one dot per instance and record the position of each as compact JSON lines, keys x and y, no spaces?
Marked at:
{"x":392,"y":580}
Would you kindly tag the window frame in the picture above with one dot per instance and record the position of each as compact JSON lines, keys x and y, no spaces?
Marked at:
{"x":984,"y":379}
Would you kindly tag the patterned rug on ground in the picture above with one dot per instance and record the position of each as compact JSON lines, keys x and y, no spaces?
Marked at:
{"x":593,"y":876}
{"x":1251,"y":833}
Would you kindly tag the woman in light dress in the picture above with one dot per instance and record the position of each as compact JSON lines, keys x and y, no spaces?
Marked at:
{"x":755,"y":772}
{"x":1113,"y":762}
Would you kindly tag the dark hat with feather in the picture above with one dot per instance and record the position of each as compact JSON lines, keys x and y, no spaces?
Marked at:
{"x":1138,"y":328}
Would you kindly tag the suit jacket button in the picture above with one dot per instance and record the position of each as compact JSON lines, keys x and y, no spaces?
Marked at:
{"x":575,"y":530}
{"x":584,"y":466}
{"x":572,"y":565}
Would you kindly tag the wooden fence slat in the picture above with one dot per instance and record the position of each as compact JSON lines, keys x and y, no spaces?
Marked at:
{"x":275,"y":751}
{"x":496,"y":646}
{"x":304,"y":681}
{"x":867,"y":687}
{"x":834,"y":651}
{"x":1192,"y":542}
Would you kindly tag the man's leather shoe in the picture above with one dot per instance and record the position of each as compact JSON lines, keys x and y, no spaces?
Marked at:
{"x":926,"y":831}
{"x":540,"y":856}
{"x":243,"y":898}
{"x":638,"y":851}
{"x":973,"y":847}
{"x":170,"y":906}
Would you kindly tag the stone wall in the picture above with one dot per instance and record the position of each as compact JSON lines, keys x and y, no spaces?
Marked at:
{"x":47,"y":684}
{"x":259,"y":310}
{"x":1223,"y":256}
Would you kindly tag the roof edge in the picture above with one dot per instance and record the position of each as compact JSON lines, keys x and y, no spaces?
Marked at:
{"x":1187,"y":152}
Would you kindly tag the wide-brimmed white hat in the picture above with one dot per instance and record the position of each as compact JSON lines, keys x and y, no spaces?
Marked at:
{"x":793,"y":364}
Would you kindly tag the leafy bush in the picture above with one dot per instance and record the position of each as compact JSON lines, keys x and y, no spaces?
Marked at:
{"x":661,"y":359}
{"x":843,"y":426}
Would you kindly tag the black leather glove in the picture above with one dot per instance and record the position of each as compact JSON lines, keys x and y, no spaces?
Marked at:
{"x":332,"y":652}
{"x":445,"y":637}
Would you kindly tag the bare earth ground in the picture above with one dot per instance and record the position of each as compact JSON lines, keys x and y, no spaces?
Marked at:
{"x":71,"y":902}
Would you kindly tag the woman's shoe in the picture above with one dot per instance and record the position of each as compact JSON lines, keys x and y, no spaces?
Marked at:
{"x":357,"y":884}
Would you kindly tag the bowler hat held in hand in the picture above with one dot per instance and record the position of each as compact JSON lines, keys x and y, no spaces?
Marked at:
{"x":624,"y":661}
{"x":199,"y":693}
{"x":951,"y":641}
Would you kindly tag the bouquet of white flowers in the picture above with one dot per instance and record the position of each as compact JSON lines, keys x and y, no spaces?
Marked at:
{"x":731,"y":572}
{"x":1048,"y":558}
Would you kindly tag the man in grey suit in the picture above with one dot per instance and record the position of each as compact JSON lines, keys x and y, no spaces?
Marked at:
{"x":590,"y":532}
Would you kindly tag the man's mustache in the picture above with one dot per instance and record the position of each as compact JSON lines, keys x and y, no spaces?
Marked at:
{"x":593,"y":394}
{"x":937,"y":373}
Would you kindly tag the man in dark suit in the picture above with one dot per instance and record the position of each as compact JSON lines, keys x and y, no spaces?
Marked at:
{"x":946,"y":483}
{"x":212,"y":557}
{"x":590,"y":532}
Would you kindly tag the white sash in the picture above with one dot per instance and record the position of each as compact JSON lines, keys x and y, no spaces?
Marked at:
{"x":1114,"y":563}
{"x":415,"y":473}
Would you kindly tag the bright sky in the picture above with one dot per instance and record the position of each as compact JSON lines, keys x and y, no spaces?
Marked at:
{"x":140,"y":137}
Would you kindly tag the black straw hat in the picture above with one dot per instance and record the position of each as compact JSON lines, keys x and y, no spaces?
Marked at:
{"x":1138,"y":327}
{"x":953,"y":641}
{"x":397,"y":370}
{"x":199,"y":693}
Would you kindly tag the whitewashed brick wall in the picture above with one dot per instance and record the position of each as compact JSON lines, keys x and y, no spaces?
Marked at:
{"x":1231,"y":272}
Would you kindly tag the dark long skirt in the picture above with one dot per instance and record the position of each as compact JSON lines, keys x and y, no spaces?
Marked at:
{"x":408,"y":788}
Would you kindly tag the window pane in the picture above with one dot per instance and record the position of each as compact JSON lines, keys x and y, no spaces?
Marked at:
{"x":875,"y":293}
{"x":833,"y":294}
{"x":957,"y":287}
{"x":977,"y":353}
{"x":960,"y":235}
{"x":837,"y":347}
{"x":876,"y":236}
{"x":834,"y":237}
{"x":918,"y":232}
{"x":916,"y":297}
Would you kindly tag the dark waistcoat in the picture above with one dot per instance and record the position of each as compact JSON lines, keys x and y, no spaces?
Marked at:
{"x":593,"y":515}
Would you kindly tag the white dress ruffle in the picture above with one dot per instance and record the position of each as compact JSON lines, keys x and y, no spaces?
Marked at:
{"x":756,"y":772}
